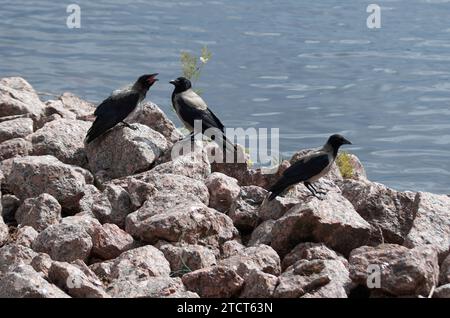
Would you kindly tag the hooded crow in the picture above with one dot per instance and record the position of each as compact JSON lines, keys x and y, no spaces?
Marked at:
{"x":310,"y":168}
{"x":190,"y":107}
{"x":119,"y":105}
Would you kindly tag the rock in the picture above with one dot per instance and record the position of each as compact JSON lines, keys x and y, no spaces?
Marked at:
{"x":151,"y":287}
{"x":442,"y":291}
{"x":193,"y":164}
{"x":4,"y":232}
{"x":314,"y":278}
{"x":17,"y":97}
{"x":24,"y":282}
{"x":54,"y":109}
{"x":90,"y":195}
{"x":311,"y":251}
{"x":431,"y":223}
{"x":112,"y":205}
{"x":139,"y":192}
{"x":444,"y":276}
{"x":332,"y":221}
{"x":25,"y":236}
{"x":64,"y":242}
{"x":91,"y":225}
{"x":31,"y":176}
{"x":134,"y":265}
{"x":244,"y":209}
{"x":111,"y":241}
{"x":63,"y":139}
{"x":10,"y":205}
{"x":223,"y":191}
{"x":168,"y":183}
{"x":152,"y":116}
{"x":39,"y":212}
{"x":214,"y":282}
{"x":184,"y":221}
{"x":75,"y":282}
{"x":387,"y":210}
{"x":42,"y":263}
{"x":261,"y":257}
{"x":275,"y":209}
{"x":16,"y":147}
{"x":403,"y":271}
{"x":262,"y":234}
{"x":82,"y":109}
{"x":12,"y":255}
{"x":259,"y":285}
{"x":143,"y":145}
{"x":187,"y":257}
{"x":231,"y":247}
{"x":16,"y":128}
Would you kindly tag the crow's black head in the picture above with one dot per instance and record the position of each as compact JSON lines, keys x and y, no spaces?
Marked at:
{"x":147,"y":80}
{"x":337,"y":140}
{"x":181,"y":84}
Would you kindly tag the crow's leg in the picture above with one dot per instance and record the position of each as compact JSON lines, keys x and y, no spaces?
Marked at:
{"x":313,"y":191}
{"x":128,"y":125}
{"x":318,"y":192}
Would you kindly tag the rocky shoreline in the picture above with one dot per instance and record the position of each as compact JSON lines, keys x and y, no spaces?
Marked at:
{"x":121,"y":218}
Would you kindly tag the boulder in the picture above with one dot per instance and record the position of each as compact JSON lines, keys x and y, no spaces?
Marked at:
{"x":259,"y":285}
{"x":315,"y":278}
{"x":83,"y":110}
{"x":24,"y":282}
{"x":12,"y":255}
{"x":431,"y":223}
{"x":110,"y":242}
{"x":16,"y":128}
{"x":262,"y":234}
{"x":75,"y":282}
{"x":151,"y":115}
{"x":17,"y":97}
{"x":39,"y":212}
{"x":311,"y":251}
{"x":33,"y":175}
{"x":188,"y":221}
{"x":389,"y":211}
{"x":62,"y":139}
{"x":332,"y":221}
{"x":231,"y":247}
{"x":244,"y":209}
{"x":261,"y":257}
{"x":16,"y":147}
{"x":444,"y":276}
{"x":187,"y":257}
{"x":142,"y":144}
{"x":223,"y":191}
{"x":25,"y":236}
{"x":442,"y":291}
{"x":151,"y":287}
{"x":64,"y":242}
{"x":403,"y":271}
{"x":4,"y":232}
{"x":41,"y":264}
{"x":112,"y":205}
{"x":214,"y":282}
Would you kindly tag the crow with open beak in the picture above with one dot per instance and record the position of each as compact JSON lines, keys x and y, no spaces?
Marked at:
{"x":310,"y":168}
{"x":190,"y":107}
{"x":119,"y":105}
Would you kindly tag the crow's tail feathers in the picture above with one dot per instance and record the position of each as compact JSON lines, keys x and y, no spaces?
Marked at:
{"x":278,"y":188}
{"x":97,"y":129}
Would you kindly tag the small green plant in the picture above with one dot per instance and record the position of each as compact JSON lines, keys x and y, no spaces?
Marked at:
{"x":344,"y":164}
{"x":192,"y":65}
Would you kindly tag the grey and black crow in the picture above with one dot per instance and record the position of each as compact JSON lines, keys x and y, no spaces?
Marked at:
{"x":310,"y":168}
{"x":190,"y":107}
{"x":119,"y":105}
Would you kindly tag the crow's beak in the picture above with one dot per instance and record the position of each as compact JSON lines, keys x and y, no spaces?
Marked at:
{"x":173,"y":82}
{"x":347,"y":142}
{"x":152,"y":78}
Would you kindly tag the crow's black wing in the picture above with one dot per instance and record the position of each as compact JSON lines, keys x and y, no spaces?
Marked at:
{"x":190,"y":114}
{"x":302,"y":170}
{"x":110,"y":112}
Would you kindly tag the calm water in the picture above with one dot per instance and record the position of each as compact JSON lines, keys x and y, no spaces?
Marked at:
{"x":311,"y":68}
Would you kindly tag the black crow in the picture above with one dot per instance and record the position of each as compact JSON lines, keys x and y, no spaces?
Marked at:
{"x":119,"y":105}
{"x":310,"y":168}
{"x":190,"y":107}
